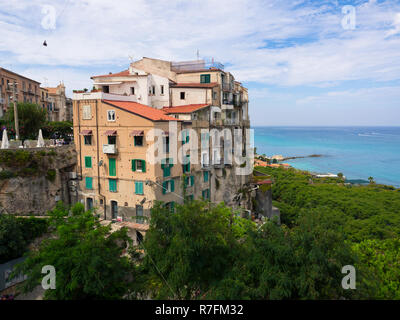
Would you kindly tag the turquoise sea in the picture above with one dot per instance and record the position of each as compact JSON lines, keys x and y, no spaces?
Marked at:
{"x":357,"y":152}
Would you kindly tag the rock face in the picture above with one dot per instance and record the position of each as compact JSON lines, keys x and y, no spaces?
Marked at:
{"x":35,"y":186}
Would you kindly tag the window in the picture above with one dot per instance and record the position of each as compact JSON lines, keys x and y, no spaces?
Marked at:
{"x":111,"y":115}
{"x":87,"y":113}
{"x":88,"y":140}
{"x":153,"y":90}
{"x":88,"y":162}
{"x":205,"y":78}
{"x":138,"y":141}
{"x":170,"y":206}
{"x":112,"y":139}
{"x":166,"y":165}
{"x":182,"y":95}
{"x":89,"y":183}
{"x":139,"y":214}
{"x":112,"y":170}
{"x":206,"y":194}
{"x":186,"y":166}
{"x":205,"y":176}
{"x":112,"y":185}
{"x":214,"y":95}
{"x":139,"y":187}
{"x":189,"y":181}
{"x":185,"y":136}
{"x":133,"y":91}
{"x":106,"y":89}
{"x":168,"y":186}
{"x":162,"y":89}
{"x":138,"y":165}
{"x":166,"y":144}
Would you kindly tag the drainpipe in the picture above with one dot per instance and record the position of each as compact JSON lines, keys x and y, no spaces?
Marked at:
{"x":98,"y":167}
{"x":79,"y":138}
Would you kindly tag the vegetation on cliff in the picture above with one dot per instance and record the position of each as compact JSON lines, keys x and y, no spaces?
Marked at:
{"x":368,"y":218}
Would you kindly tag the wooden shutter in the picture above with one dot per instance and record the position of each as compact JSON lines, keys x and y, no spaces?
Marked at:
{"x":143,"y":165}
{"x":192,"y":180}
{"x":88,"y":162}
{"x":112,"y":167}
{"x":133,"y":165}
{"x":172,"y":185}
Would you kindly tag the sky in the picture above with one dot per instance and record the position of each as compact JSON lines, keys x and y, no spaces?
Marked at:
{"x":320,"y":63}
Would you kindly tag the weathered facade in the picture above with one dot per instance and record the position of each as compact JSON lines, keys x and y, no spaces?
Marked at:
{"x":199,"y":111}
{"x":26,"y":90}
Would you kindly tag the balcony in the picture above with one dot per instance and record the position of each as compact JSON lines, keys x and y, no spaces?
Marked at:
{"x":109,"y":149}
{"x":231,"y":122}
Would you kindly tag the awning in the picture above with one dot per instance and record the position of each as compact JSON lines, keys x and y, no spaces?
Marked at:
{"x":110,"y":133}
{"x":137,"y":133}
{"x":86,"y":132}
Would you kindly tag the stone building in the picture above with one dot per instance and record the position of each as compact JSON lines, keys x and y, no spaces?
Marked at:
{"x":26,"y":90}
{"x":201,"y":113}
{"x":58,"y":105}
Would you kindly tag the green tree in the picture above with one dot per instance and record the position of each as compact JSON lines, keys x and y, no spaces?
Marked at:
{"x":371,"y":180}
{"x":31,"y":118}
{"x":189,"y":250}
{"x":12,"y":242}
{"x":59,"y":128}
{"x":87,"y":256}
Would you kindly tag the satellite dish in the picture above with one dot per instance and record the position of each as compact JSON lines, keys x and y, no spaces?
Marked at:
{"x":143,"y":201}
{"x":100,"y":163}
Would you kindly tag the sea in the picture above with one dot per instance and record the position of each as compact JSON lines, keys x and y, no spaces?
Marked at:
{"x":357,"y":152}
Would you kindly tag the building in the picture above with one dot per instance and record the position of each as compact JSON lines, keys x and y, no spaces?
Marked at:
{"x":26,"y":90}
{"x":200,"y":111}
{"x":58,"y":105}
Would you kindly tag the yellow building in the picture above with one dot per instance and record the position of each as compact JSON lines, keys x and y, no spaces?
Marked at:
{"x":123,"y":173}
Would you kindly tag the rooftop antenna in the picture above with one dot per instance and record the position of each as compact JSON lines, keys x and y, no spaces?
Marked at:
{"x":45,"y":82}
{"x":198,"y":54}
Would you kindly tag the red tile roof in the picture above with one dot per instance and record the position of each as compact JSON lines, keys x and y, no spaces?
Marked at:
{"x":119,"y":74}
{"x":51,"y":90}
{"x":189,"y":108}
{"x":195,"y":85}
{"x":141,"y":110}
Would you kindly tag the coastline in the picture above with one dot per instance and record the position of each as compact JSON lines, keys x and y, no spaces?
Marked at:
{"x":268,"y":161}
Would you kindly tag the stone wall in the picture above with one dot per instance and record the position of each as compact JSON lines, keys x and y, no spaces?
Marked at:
{"x":33,"y":180}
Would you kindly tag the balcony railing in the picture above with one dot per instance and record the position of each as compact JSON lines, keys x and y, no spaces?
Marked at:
{"x":231,"y":122}
{"x":109,"y":149}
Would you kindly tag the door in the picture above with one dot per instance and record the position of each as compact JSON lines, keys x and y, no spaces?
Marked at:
{"x":114,"y":209}
{"x":89,"y":203}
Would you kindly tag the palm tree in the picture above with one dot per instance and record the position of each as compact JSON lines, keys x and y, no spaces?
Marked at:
{"x":371,"y":180}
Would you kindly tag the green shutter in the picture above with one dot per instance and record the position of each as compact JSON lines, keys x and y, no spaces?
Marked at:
{"x":133,"y":165}
{"x":112,"y":167}
{"x":143,"y":166}
{"x":88,"y":162}
{"x":183,"y":136}
{"x":192,"y":180}
{"x":172,"y":185}
{"x":89,"y":183}
{"x":164,"y":187}
{"x":112,"y":184}
{"x":205,"y":173}
{"x":138,"y":187}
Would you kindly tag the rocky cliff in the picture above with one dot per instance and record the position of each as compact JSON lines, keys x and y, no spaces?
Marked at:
{"x":33,"y":180}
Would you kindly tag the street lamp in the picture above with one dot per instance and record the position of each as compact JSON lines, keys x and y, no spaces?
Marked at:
{"x":14,"y":85}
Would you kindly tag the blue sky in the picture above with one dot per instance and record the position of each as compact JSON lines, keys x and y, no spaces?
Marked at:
{"x":302,"y":67}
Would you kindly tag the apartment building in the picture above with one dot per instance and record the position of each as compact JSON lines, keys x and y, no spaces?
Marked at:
{"x":26,"y":90}
{"x":59,"y":107}
{"x":200,"y":110}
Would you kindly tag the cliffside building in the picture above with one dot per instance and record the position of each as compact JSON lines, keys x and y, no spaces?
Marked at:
{"x":162,"y":131}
